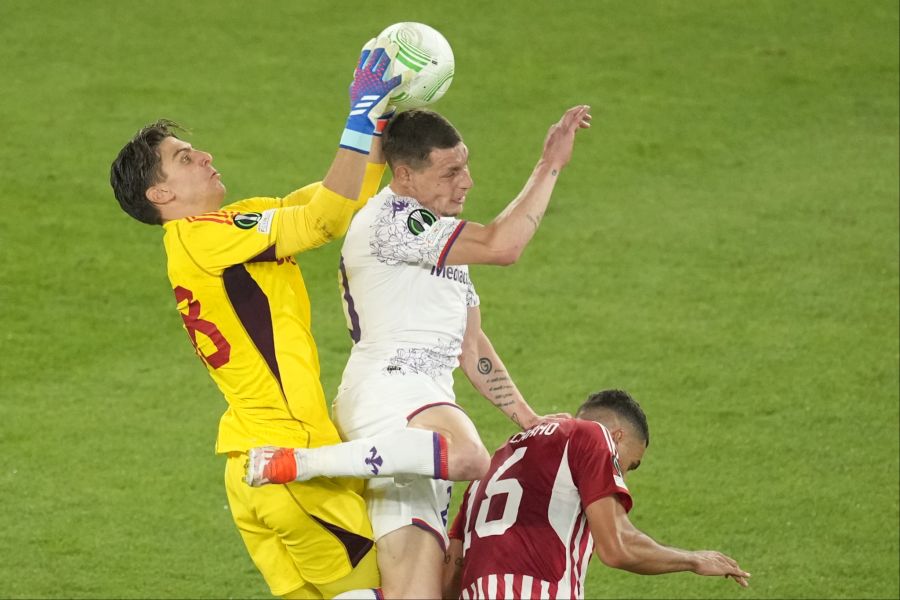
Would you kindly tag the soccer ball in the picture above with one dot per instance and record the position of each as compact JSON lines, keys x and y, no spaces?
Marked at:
{"x":428,"y":54}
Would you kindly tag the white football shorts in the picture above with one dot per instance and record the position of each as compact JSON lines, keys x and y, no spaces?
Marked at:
{"x":380,"y":405}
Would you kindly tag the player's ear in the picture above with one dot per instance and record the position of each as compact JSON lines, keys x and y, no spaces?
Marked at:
{"x":159,"y":194}
{"x":402,"y":173}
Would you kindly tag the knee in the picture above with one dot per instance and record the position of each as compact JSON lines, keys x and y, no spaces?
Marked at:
{"x":468,"y":461}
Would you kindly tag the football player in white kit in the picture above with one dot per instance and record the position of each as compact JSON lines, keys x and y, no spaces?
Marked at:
{"x":413,"y":314}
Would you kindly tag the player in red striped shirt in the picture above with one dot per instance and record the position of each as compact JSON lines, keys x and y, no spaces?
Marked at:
{"x":554,"y":494}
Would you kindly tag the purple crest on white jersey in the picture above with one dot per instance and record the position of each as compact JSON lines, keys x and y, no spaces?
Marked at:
{"x":398,"y":206}
{"x":374,"y":461}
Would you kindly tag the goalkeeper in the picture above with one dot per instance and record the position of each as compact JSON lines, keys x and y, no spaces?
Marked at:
{"x":245,"y":308}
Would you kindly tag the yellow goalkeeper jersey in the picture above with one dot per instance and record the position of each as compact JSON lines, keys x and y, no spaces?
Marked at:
{"x":245,"y":308}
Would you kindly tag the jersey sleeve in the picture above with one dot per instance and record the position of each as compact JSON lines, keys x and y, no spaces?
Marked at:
{"x":406,"y":232}
{"x":255,"y":229}
{"x":371,"y":182}
{"x":254,"y":205}
{"x":457,"y":530}
{"x":302,"y":196}
{"x":233,"y":235}
{"x":325,"y":217}
{"x":594,"y":464}
{"x":299,"y":197}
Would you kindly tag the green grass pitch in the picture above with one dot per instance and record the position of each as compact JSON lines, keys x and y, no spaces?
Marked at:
{"x":724,"y":245}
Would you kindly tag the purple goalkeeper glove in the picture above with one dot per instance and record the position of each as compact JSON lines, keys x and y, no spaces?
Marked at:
{"x":369,"y":95}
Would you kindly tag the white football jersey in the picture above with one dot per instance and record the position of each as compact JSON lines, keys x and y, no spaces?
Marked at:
{"x":406,"y":310}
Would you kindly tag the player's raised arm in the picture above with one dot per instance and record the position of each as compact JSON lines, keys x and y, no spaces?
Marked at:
{"x":502,"y":241}
{"x":621,"y":545}
{"x":375,"y":169}
{"x":327,"y":214}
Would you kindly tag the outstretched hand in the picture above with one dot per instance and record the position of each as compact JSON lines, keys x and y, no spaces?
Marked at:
{"x":369,"y":83}
{"x":561,"y":137}
{"x":715,"y":563}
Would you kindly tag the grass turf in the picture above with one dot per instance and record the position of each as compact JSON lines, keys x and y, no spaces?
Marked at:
{"x":724,"y":245}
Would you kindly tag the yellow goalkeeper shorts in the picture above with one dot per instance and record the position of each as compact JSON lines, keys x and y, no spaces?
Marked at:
{"x":311,"y":532}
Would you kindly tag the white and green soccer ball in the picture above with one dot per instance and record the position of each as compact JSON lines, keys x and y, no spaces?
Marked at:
{"x":428,"y":54}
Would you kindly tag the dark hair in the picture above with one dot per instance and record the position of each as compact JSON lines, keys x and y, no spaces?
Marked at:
{"x":621,"y":403}
{"x":137,"y":168}
{"x":410,"y":137}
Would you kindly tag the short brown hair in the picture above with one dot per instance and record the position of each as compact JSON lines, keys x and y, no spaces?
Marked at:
{"x":411,"y":136}
{"x":622,"y":404}
{"x":137,"y":168}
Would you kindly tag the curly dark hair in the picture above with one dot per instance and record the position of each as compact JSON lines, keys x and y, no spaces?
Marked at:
{"x":621,"y":403}
{"x":137,"y":168}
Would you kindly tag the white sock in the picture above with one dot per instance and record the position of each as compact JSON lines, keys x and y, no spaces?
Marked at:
{"x":369,"y":594}
{"x":407,"y":452}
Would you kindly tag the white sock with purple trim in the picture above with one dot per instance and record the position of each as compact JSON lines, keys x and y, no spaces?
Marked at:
{"x":407,"y":452}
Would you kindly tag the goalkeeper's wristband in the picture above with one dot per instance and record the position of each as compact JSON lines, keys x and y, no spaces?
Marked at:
{"x":362,"y":142}
{"x":359,"y":129}
{"x":356,"y":141}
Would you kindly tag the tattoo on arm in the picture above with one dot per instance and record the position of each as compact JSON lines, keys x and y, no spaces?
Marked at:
{"x":535,"y":221}
{"x":500,"y":390}
{"x":554,"y":172}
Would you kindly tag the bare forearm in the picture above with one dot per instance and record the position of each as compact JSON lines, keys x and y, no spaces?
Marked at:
{"x":621,"y":545}
{"x":645,"y":556}
{"x":519,"y":221}
{"x":345,"y":176}
{"x":453,"y":564}
{"x":502,"y":241}
{"x":489,"y":376}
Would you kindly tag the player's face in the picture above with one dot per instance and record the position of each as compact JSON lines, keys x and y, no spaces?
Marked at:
{"x":630,"y":449}
{"x":442,"y":186}
{"x":189,"y":176}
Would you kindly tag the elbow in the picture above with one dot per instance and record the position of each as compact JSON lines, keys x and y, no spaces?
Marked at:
{"x":503,"y":248}
{"x":468,"y":360}
{"x":329,"y":230}
{"x":613,"y":561}
{"x":480,"y":465}
{"x":508,"y":256}
{"x":326,"y":226}
{"x":470,"y":463}
{"x":615,"y":557}
{"x":506,"y":252}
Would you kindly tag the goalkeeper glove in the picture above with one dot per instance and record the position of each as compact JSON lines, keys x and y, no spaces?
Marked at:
{"x":384,"y":119}
{"x":369,"y":95}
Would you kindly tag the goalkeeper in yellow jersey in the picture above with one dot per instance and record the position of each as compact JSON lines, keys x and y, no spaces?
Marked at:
{"x":244,"y":306}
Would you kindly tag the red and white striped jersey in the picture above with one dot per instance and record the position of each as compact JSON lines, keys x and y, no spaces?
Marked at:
{"x":524,"y":530}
